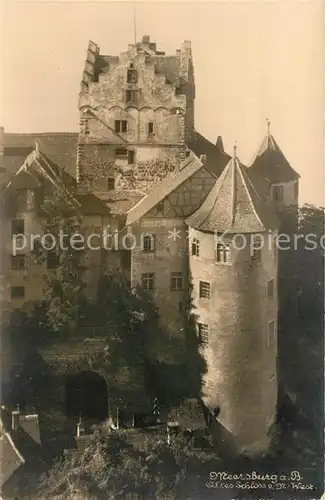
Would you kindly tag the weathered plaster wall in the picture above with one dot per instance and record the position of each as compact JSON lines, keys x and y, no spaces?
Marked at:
{"x":169,"y":256}
{"x":240,"y":362}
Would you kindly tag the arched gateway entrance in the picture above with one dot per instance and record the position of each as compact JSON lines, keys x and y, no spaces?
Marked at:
{"x":86,"y":394}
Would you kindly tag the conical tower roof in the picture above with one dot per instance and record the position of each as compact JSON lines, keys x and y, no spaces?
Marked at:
{"x":271,"y":163}
{"x":233,"y":205}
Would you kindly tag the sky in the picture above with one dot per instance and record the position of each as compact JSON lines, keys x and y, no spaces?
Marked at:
{"x":252,"y":61}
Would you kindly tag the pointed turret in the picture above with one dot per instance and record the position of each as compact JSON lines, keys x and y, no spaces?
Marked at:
{"x":232,"y":205}
{"x":271,"y":163}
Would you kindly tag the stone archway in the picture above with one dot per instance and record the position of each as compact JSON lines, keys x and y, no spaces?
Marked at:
{"x":86,"y":394}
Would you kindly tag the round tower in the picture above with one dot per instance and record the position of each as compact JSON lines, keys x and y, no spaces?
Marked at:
{"x":233,"y":266}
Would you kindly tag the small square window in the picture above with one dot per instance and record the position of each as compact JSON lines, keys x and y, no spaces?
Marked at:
{"x":18,"y":262}
{"x":176,"y":282}
{"x":148,"y":243}
{"x":223,"y":253}
{"x":110,"y":183}
{"x":271,"y":333}
{"x":121,"y":152}
{"x":150,"y":128}
{"x":204,"y":290}
{"x":203,"y":331}
{"x":17,"y":226}
{"x":121,"y":126}
{"x":17,"y":292}
{"x":277,"y":193}
{"x":195,"y":247}
{"x":270,"y":289}
{"x":148,"y":281}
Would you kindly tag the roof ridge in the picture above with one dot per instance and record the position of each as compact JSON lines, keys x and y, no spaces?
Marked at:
{"x":250,"y":197}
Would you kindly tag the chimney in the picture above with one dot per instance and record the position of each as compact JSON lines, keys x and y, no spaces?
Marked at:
{"x":219,"y":144}
{"x":15,"y":417}
{"x":2,"y":141}
{"x":146,"y":39}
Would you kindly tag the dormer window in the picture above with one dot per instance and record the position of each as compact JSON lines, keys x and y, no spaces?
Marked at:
{"x":132,"y":75}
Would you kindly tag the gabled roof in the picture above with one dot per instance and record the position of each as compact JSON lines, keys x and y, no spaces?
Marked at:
{"x":10,"y":458}
{"x":164,"y":188}
{"x":271,"y":164}
{"x":217,"y":159}
{"x":232,"y":205}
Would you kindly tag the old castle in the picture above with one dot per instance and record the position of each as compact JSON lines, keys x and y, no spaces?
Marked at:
{"x":139,"y":166}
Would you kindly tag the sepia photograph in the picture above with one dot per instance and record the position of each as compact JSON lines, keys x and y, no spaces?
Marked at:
{"x":162,"y":250}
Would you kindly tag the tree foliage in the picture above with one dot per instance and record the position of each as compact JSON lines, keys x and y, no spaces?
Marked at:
{"x":64,"y":284}
{"x":131,"y":465}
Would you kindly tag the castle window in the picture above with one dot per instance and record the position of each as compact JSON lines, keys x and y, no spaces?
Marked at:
{"x":121,"y":126}
{"x":277,"y":193}
{"x":223,"y":253}
{"x":148,"y":243}
{"x":270,"y":289}
{"x":148,"y":281}
{"x":150,"y":128}
{"x":176,"y":282}
{"x":17,"y":292}
{"x":195,"y":247}
{"x":121,"y":152}
{"x":17,"y":226}
{"x":131,"y":95}
{"x":257,"y":248}
{"x":52,"y":259}
{"x":203,"y":333}
{"x":110,"y":183}
{"x":204,"y":290}
{"x":296,"y":190}
{"x":18,"y":262}
{"x":131,"y":155}
{"x":271,"y":333}
{"x":132,"y":75}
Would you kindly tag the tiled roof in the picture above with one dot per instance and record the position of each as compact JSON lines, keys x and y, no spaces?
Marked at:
{"x":165,"y":187}
{"x":232,"y":205}
{"x":10,"y":458}
{"x":92,"y":204}
{"x":119,"y":202}
{"x":216,"y":158}
{"x":271,"y":164}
